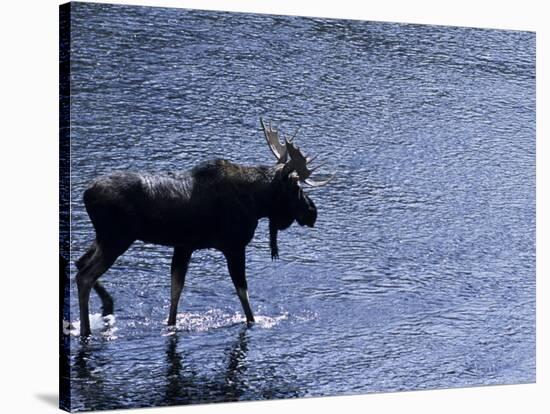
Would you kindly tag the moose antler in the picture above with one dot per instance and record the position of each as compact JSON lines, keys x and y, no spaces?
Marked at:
{"x":292,"y":157}
{"x":277,"y":148}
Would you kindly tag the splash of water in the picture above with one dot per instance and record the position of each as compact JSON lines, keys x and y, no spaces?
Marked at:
{"x":105,"y":324}
{"x":217,"y":318}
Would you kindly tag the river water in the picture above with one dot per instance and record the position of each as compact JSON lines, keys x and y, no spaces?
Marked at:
{"x":420,"y":272}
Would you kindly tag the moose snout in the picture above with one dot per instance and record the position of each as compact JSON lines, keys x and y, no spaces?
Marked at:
{"x":309,"y":224}
{"x":307,"y":220}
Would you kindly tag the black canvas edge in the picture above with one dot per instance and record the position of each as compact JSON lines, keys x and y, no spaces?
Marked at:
{"x":64,"y":201}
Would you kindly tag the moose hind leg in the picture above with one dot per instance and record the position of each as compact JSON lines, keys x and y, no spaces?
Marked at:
{"x":236,"y":266}
{"x":180,"y":263}
{"x":107,"y":304}
{"x":102,"y":259}
{"x":83,"y":261}
{"x":85,"y":279}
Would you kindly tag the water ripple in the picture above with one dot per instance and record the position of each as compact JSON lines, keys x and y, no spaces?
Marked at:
{"x":420,"y":271}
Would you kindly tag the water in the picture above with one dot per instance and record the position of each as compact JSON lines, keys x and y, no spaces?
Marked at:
{"x":420,"y":272}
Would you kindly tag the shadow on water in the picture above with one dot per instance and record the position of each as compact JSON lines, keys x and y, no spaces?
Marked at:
{"x":185,"y":375}
{"x":184,"y":385}
{"x":187,"y":380}
{"x":90,"y":378}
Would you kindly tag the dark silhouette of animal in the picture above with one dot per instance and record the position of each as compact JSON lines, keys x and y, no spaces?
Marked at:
{"x":215,"y":205}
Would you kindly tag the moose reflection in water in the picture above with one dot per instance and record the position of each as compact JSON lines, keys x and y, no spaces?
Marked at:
{"x":183,"y":384}
{"x":215,"y":205}
{"x":180,"y":372}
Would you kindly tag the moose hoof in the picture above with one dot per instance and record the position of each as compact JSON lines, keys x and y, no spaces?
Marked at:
{"x":107,"y":310}
{"x":85,"y":336}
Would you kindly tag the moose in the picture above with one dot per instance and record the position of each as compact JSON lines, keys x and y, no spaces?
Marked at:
{"x":215,"y":205}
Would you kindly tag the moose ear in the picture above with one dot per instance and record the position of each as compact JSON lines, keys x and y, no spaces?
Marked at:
{"x":287,"y":171}
{"x":293,"y":177}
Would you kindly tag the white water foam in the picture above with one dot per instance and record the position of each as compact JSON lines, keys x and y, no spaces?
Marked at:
{"x":186,"y":321}
{"x":217,"y":318}
{"x":269,"y":322}
{"x":105,"y":324}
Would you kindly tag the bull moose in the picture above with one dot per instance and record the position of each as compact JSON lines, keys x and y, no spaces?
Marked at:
{"x":215,"y":205}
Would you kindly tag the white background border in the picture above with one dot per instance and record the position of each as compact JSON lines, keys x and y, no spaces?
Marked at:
{"x":28,"y":202}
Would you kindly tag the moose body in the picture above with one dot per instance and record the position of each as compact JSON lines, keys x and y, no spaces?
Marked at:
{"x":215,"y":205}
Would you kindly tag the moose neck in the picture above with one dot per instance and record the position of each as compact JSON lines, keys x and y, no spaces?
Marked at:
{"x":269,"y":201}
{"x":260,"y":185}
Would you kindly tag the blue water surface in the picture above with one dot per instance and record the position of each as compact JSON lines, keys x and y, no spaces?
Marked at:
{"x":420,"y":272}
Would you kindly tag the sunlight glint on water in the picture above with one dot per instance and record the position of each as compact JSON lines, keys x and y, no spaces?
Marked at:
{"x":420,"y":271}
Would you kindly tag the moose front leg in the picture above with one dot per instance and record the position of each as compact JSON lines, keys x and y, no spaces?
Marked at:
{"x":180,"y":262}
{"x":236,"y":266}
{"x":273,"y":241}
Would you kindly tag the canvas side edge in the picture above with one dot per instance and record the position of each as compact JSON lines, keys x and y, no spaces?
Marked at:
{"x":64,"y":202}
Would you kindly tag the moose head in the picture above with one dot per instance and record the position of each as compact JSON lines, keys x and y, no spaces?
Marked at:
{"x":291,"y":176}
